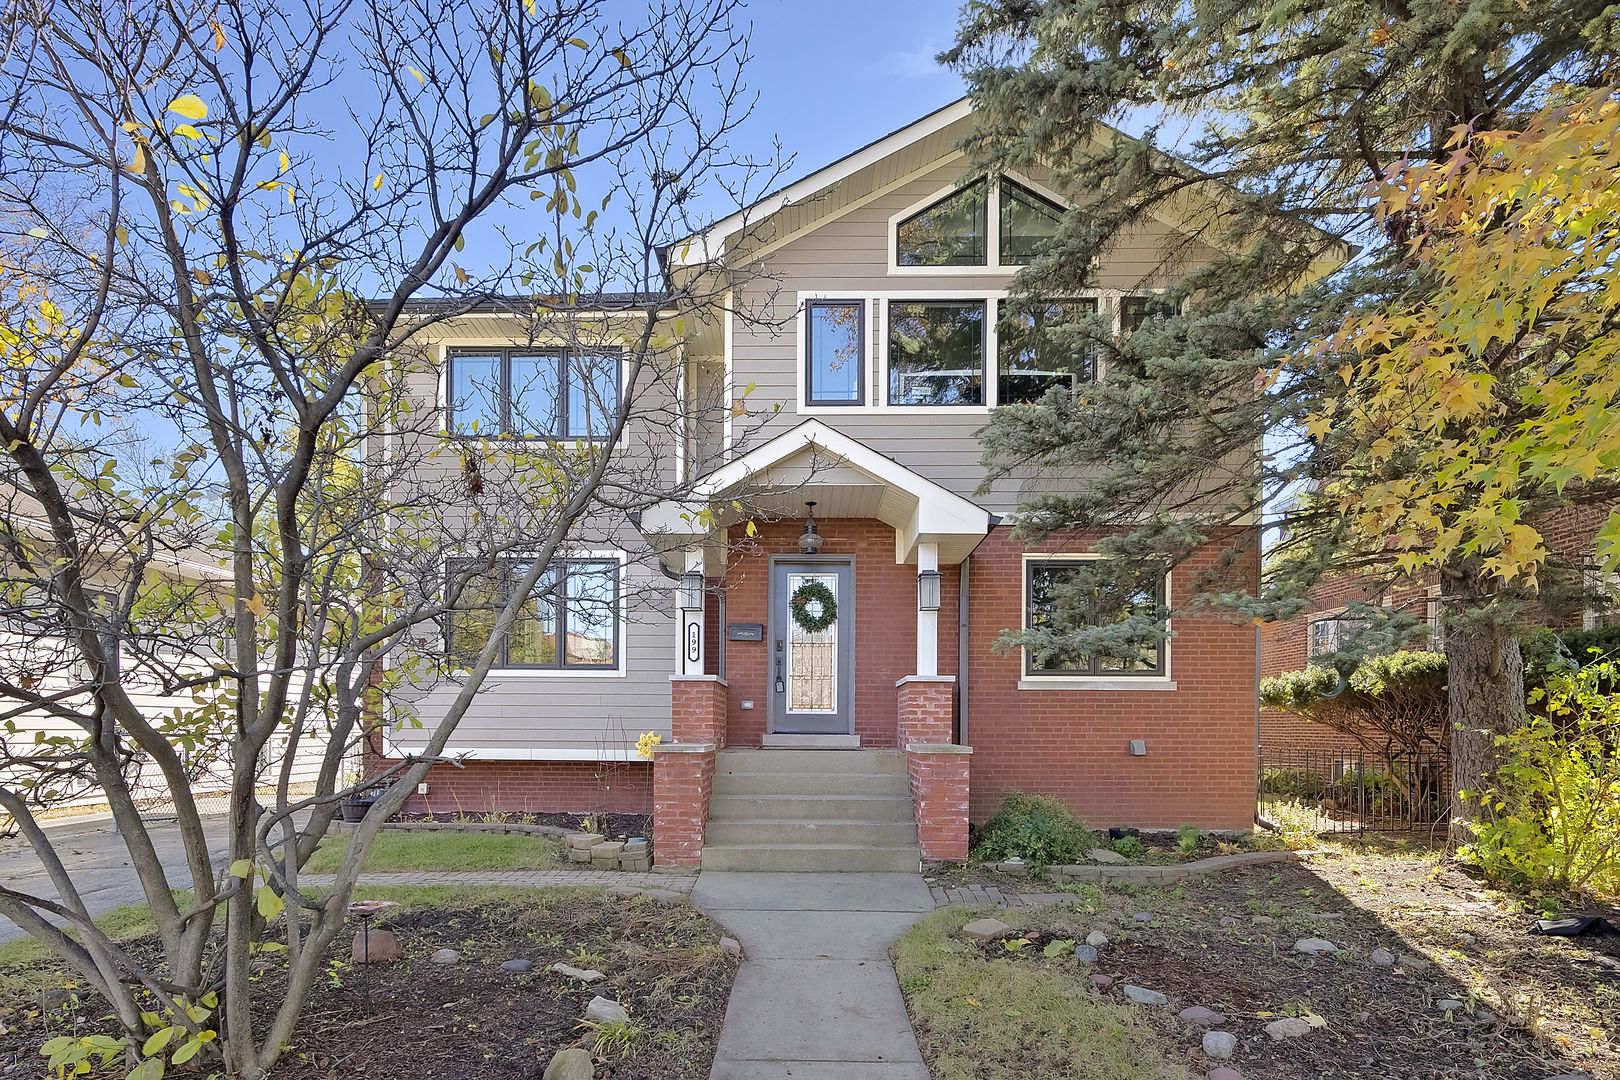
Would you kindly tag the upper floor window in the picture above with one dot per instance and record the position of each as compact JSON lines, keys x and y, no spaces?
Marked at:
{"x":936,"y":352}
{"x":981,"y":224}
{"x":533,"y":393}
{"x":1330,"y":633}
{"x":1032,"y":360}
{"x":1136,"y":311}
{"x":834,"y":352}
{"x":951,"y":232}
{"x":570,"y":619}
{"x":1100,"y":603}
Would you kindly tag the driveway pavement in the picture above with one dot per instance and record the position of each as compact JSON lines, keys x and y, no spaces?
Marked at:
{"x":816,"y":997}
{"x":97,"y":861}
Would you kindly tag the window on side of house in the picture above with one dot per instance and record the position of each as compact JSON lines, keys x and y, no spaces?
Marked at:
{"x":1329,"y":633}
{"x":834,"y":352}
{"x":936,"y":352}
{"x":533,"y":393}
{"x":1029,"y":362}
{"x":1027,"y":221}
{"x":570,"y":619}
{"x":1136,"y":311}
{"x":1106,"y":604}
{"x":950,"y":232}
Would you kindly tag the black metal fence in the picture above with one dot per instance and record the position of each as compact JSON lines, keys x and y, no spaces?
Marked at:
{"x":1352,"y":790}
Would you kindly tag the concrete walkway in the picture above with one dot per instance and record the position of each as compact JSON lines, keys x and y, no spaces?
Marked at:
{"x":816,"y":998}
{"x":517,"y":879}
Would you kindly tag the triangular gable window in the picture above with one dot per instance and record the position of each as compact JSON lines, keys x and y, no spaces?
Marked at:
{"x":951,"y":232}
{"x":1027,"y":222}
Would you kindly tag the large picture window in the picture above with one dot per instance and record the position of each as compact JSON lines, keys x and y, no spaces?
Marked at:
{"x":951,"y":232}
{"x":569,"y":620}
{"x":834,"y":352}
{"x":1032,"y":360}
{"x":1102,"y":604}
{"x":936,"y":352}
{"x":533,"y":393}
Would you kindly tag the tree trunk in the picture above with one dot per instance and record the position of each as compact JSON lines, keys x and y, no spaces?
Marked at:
{"x":1484,"y":699}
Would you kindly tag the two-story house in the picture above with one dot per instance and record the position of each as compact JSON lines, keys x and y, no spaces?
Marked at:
{"x":817,"y":656}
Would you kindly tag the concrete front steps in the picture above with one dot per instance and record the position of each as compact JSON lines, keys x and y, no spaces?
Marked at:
{"x":823,"y":811}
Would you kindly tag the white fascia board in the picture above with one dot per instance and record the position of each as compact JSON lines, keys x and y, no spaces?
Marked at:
{"x":708,"y":245}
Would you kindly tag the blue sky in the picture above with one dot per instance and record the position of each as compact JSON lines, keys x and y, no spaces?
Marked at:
{"x":832,"y":75}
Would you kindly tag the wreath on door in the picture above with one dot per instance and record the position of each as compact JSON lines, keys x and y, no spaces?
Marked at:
{"x":813,"y":607}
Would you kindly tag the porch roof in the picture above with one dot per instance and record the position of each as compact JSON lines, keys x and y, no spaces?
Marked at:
{"x":846,"y":479}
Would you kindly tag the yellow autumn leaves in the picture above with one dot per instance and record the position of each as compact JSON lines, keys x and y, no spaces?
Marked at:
{"x":1498,"y":378}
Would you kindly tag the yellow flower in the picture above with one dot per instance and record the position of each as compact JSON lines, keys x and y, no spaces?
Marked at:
{"x":645,"y":744}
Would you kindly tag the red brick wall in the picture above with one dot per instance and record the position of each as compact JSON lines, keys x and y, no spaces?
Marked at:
{"x":569,"y":787}
{"x":1199,"y":767}
{"x":885,"y":623}
{"x":940,"y":792}
{"x":682,"y":785}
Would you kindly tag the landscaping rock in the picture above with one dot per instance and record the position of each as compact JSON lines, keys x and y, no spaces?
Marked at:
{"x":1449,"y":1005}
{"x":1329,"y":916}
{"x":1315,"y":946}
{"x":570,"y":1064}
{"x":624,"y":892}
{"x":1289,"y":1027}
{"x":580,"y":844}
{"x":519,"y":965}
{"x":1224,"y":1073}
{"x":1382,"y":957}
{"x":605,"y":856}
{"x":1228,"y":920}
{"x":1014,"y":867}
{"x":604,"y":1011}
{"x":1141,"y":995}
{"x":1219,"y":1045}
{"x":376,"y":947}
{"x":1086,"y":954}
{"x":1467,"y":939}
{"x":986,"y":929}
{"x":1102,"y":982}
{"x":446,"y":956}
{"x":1263,"y":920}
{"x":1197,"y":1014}
{"x":51,"y":1000}
{"x":586,"y":976}
{"x":1096,"y":939}
{"x":1143,"y":916}
{"x":664,"y":896}
{"x":1413,"y":963}
{"x":731,"y":945}
{"x":1104,"y":855}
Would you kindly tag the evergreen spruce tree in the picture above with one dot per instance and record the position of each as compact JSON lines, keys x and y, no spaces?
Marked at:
{"x":1274,"y":122}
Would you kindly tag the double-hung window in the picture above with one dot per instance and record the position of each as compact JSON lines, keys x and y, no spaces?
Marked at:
{"x":835,"y":352}
{"x":936,"y":352}
{"x":1033,"y":357}
{"x":533,"y":393}
{"x":1329,"y":633}
{"x":569,"y":620}
{"x":1053,"y":597}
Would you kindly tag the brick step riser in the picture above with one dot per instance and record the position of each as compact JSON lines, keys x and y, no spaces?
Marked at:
{"x":753,"y":783}
{"x":813,"y":762}
{"x":799,"y":859}
{"x":810,"y":808}
{"x":855,"y":834}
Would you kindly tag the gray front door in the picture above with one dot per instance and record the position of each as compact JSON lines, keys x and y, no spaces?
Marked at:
{"x":812,"y":671}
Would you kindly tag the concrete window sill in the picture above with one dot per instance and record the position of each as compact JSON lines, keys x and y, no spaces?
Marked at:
{"x":1096,"y":684}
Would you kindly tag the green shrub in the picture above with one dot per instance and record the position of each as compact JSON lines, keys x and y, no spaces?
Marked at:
{"x":1129,"y":846}
{"x":1548,"y":651}
{"x":1293,"y":783}
{"x":1552,"y":814}
{"x":1036,"y":828}
{"x":1188,"y":838}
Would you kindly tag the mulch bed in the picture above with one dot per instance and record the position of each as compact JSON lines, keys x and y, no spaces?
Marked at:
{"x":1557,"y":1000}
{"x":613,"y":826}
{"x":416,"y":1019}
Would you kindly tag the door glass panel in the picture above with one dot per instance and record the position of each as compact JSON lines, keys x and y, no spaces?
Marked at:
{"x":812,"y":660}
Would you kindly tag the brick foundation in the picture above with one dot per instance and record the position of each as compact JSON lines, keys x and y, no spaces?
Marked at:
{"x":939,"y":794}
{"x":683,"y":778}
{"x":537,"y":787}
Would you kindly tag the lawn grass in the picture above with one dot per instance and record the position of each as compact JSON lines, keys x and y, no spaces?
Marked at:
{"x":979,"y":1019}
{"x":399,"y":852}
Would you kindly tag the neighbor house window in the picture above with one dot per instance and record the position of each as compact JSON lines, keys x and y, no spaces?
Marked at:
{"x":533,"y":393}
{"x":951,"y":232}
{"x":1135,"y":311}
{"x":570,"y":619}
{"x":1329,"y":633}
{"x":1103,"y":604}
{"x":834,"y":351}
{"x":1027,"y":222}
{"x":1029,"y":361}
{"x":936,"y":352}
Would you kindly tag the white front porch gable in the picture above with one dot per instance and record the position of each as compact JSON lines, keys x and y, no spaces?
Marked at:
{"x":933,"y":526}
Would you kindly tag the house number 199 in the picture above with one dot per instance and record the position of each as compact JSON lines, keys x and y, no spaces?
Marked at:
{"x":694,"y":642}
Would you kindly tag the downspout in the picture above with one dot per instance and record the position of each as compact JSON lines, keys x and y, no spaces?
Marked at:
{"x":962,"y":657}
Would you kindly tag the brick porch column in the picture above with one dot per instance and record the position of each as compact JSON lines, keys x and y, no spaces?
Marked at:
{"x":937,"y":768}
{"x":683,"y":776}
{"x":697,"y":709}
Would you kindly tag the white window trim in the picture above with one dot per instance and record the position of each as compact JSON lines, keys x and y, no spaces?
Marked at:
{"x":876,"y":357}
{"x":441,"y":395}
{"x":1595,"y":582}
{"x":1027,"y":681}
{"x":992,"y":227}
{"x":621,"y":666}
